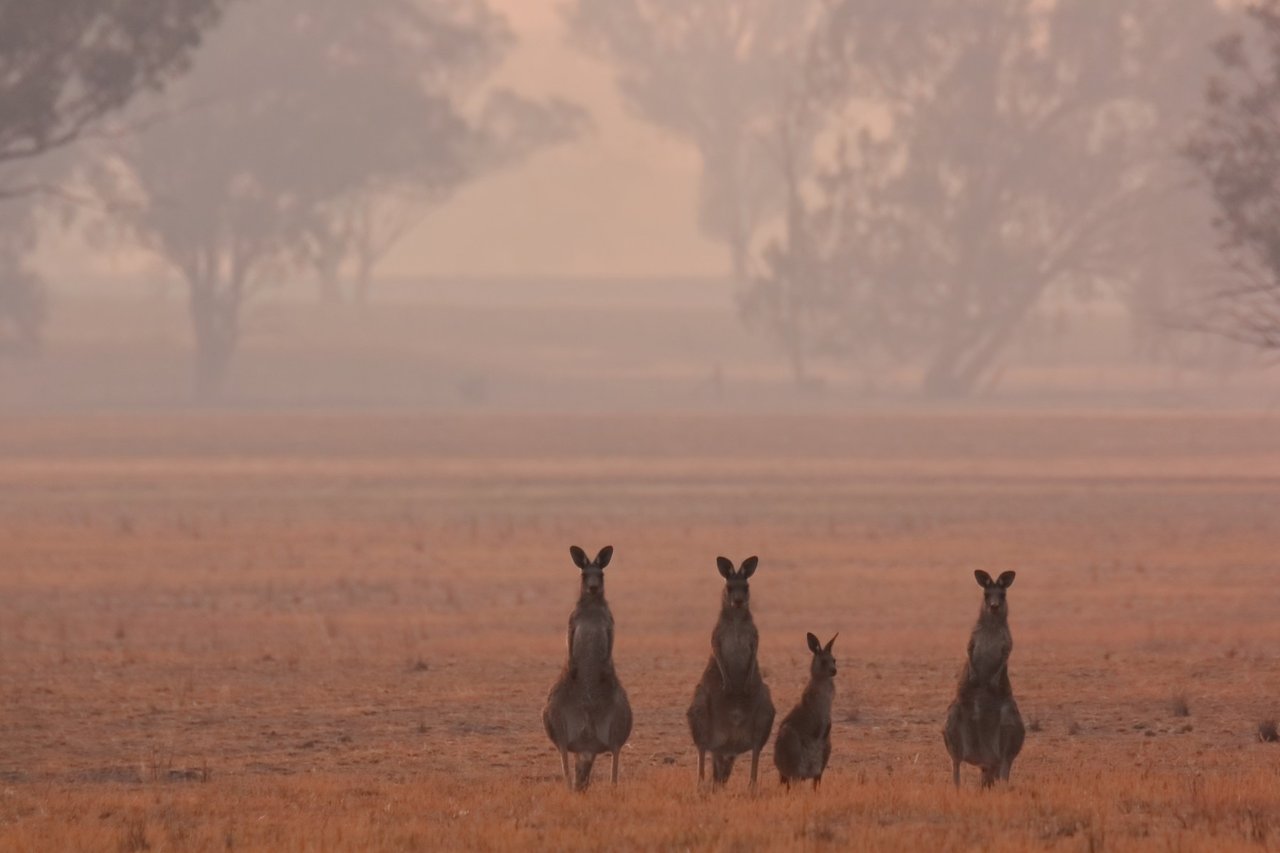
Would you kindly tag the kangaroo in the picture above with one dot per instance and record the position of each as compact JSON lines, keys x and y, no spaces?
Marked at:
{"x":732,"y":711}
{"x":587,"y":711}
{"x":803,"y":745}
{"x":983,"y":724}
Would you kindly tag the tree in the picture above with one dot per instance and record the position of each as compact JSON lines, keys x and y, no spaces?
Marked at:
{"x":977,"y":154}
{"x":721,"y":74}
{"x":300,"y":110}
{"x":369,"y":222}
{"x":1237,"y":150}
{"x":65,"y":67}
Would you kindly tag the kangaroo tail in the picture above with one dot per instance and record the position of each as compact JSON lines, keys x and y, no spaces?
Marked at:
{"x":582,"y":770}
{"x":721,"y":767}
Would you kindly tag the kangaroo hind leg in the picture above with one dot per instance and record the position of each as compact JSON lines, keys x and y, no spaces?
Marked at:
{"x":564,"y":767}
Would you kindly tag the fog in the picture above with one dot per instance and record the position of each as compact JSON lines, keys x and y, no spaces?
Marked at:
{"x":334,"y":332}
{"x":616,"y":205}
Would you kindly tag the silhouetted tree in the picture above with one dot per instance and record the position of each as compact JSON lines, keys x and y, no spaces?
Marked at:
{"x":722,"y":74}
{"x":300,"y":111}
{"x":65,"y":66}
{"x":366,"y":224}
{"x":1237,"y":150}
{"x":977,"y":154}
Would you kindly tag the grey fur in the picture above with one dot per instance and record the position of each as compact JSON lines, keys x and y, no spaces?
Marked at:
{"x":587,"y":711}
{"x":803,"y":745}
{"x":731,"y":712}
{"x":983,"y":725}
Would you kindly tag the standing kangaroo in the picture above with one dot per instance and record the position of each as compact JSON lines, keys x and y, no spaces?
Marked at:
{"x":587,"y":711}
{"x":731,"y":712}
{"x":983,"y":724}
{"x":803,"y":745}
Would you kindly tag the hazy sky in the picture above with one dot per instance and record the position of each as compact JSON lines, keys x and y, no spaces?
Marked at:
{"x":622,"y":200}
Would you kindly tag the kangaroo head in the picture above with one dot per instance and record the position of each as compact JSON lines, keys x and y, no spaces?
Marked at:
{"x":737,"y":593}
{"x":824,"y":662}
{"x":993,"y":596}
{"x":592,"y":570}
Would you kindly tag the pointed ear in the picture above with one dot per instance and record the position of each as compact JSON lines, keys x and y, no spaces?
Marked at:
{"x":749,"y":566}
{"x":830,"y":643}
{"x":984,"y":579}
{"x":605,"y":555}
{"x":813,"y":643}
{"x":579,"y":556}
{"x":725,"y":567}
{"x":1006,"y":579}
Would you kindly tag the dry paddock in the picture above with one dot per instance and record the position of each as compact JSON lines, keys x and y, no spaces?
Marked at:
{"x":330,"y":632}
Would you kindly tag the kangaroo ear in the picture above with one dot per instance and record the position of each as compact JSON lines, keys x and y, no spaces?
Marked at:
{"x":830,"y":643}
{"x":984,"y":579}
{"x":605,"y":555}
{"x":749,"y":567}
{"x":1006,"y":579}
{"x":725,"y":567}
{"x":813,"y":643}
{"x":579,"y":556}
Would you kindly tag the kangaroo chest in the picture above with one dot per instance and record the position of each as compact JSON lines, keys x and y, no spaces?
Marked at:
{"x":990,"y":651}
{"x":737,"y":646}
{"x":591,"y":640}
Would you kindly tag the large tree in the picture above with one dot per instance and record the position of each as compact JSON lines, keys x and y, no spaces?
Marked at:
{"x":1237,"y":149}
{"x":66,"y":66}
{"x":976,"y":154}
{"x":298,"y":112}
{"x":723,"y":75}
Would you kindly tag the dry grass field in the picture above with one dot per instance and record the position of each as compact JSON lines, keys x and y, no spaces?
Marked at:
{"x":314,"y":632}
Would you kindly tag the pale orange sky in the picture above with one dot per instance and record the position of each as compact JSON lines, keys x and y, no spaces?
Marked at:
{"x":622,"y":200}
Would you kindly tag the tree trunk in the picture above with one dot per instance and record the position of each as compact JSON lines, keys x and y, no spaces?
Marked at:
{"x":796,"y":358}
{"x":968,"y":353}
{"x":365,"y":262}
{"x":330,"y":285}
{"x":215,"y":318}
{"x":738,"y":261}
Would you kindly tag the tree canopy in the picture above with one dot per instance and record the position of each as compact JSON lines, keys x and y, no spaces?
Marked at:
{"x":721,"y":74}
{"x":975,"y":155}
{"x":295,"y":114}
{"x":65,"y":66}
{"x":1237,"y":150}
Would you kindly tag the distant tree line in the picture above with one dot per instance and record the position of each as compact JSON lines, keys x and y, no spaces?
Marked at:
{"x":895,"y":183}
{"x":292,"y":135}
{"x":904,"y":183}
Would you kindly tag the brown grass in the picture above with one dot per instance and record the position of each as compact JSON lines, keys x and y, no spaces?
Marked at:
{"x":326,"y":632}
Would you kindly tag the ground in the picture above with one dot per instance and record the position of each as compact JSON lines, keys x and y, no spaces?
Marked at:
{"x":315,"y":632}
